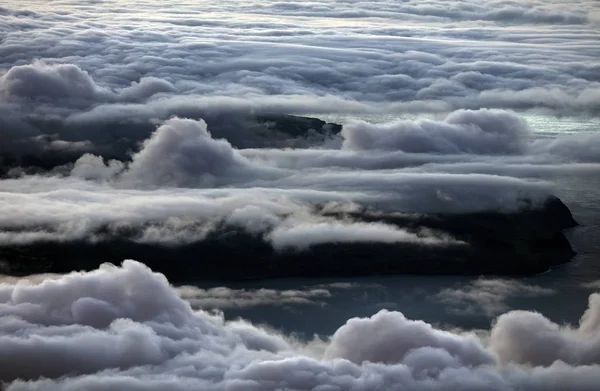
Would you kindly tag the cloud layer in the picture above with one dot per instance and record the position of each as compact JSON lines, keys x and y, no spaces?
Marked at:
{"x":469,"y":55}
{"x":108,"y":101}
{"x":112,"y":334}
{"x":184,"y":183}
{"x":103,"y":73}
{"x":159,"y":125}
{"x":477,"y":132}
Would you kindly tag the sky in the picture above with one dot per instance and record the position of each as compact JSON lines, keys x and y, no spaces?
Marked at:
{"x":140,"y":115}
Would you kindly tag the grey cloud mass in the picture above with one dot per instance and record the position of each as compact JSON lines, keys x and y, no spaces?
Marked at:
{"x":110,"y":333}
{"x":464,"y":131}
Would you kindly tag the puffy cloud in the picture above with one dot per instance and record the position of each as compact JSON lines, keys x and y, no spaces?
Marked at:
{"x":111,"y":333}
{"x":145,"y":88}
{"x":394,"y":337}
{"x":38,"y":80}
{"x":464,"y":131}
{"x":582,"y":148}
{"x":275,"y":192}
{"x":61,"y":74}
{"x":93,"y":167}
{"x":472,"y":132}
{"x":182,"y":153}
{"x":530,"y":338}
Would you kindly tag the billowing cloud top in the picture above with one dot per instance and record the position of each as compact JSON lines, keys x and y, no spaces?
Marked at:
{"x":127,"y":328}
{"x":119,"y":60}
{"x":82,"y":78}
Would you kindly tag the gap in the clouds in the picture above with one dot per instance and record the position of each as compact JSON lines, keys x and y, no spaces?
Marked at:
{"x":418,"y":297}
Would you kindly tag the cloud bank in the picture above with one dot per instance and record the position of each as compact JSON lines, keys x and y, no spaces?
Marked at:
{"x":477,"y":132}
{"x":108,"y":101}
{"x":183,"y":184}
{"x":105,"y":73}
{"x":163,"y":125}
{"x":112,"y":334}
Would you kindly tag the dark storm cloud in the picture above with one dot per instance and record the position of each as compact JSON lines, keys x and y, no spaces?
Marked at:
{"x":111,"y":334}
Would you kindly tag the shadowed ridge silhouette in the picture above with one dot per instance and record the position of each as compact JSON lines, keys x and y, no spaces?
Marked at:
{"x":519,"y":243}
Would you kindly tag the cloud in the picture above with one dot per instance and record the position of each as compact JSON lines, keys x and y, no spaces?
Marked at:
{"x":183,"y":184}
{"x":102,"y":87}
{"x":530,"y":338}
{"x":185,"y":187}
{"x":301,"y":236}
{"x":477,"y":132}
{"x":593,"y":285}
{"x":39,"y":80}
{"x":111,"y":334}
{"x":394,"y":337}
{"x":472,"y":132}
{"x":582,"y":148}
{"x":36,"y":211}
{"x":136,"y":121}
{"x":93,"y":167}
{"x":61,"y":73}
{"x":223,"y":297}
{"x":488,"y":295}
{"x":182,"y":153}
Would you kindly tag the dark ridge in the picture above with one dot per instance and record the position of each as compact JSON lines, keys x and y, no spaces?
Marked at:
{"x":297,"y":126}
{"x":558,"y":215}
{"x":119,"y":139}
{"x":526,"y":242}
